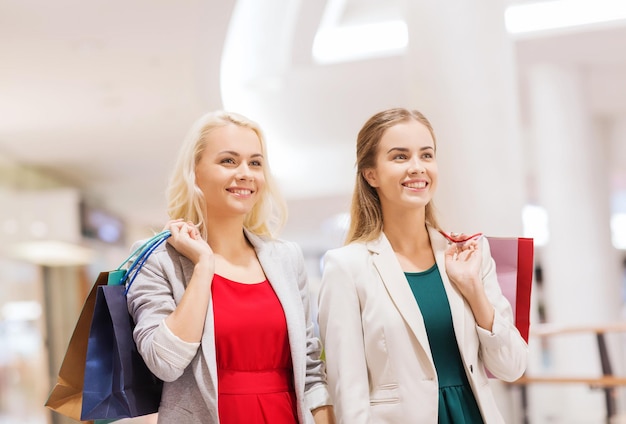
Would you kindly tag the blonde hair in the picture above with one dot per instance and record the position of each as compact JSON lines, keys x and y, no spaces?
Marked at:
{"x":366,"y":216}
{"x":186,"y":201}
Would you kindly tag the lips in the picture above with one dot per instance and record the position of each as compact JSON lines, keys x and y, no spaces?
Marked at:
{"x":240,"y":191}
{"x":415,"y":184}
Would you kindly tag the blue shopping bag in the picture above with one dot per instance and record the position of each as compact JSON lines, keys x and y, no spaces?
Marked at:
{"x":102,"y":376}
{"x":117,"y":383}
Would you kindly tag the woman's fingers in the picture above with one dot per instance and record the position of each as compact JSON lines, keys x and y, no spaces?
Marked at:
{"x":181,"y":229}
{"x":462,"y":251}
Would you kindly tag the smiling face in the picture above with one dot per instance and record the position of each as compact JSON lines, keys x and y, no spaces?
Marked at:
{"x":230,"y":171}
{"x":405,"y":172}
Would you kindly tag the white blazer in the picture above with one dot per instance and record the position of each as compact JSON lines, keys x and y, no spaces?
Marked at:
{"x":378,"y":360}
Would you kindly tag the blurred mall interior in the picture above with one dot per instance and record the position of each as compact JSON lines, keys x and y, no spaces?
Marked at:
{"x":527,"y":98}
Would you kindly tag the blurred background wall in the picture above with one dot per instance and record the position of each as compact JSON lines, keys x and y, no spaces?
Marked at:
{"x":528,"y":101}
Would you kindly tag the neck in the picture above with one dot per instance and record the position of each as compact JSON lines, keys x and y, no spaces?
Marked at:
{"x":226,"y":237}
{"x":406,"y":230}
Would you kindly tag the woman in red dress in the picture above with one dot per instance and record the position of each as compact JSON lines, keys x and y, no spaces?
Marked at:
{"x":222,"y":310}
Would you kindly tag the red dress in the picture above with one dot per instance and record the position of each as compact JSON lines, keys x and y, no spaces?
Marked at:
{"x":254,"y":368}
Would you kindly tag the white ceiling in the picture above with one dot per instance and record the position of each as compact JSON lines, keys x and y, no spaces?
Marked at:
{"x":100,"y":93}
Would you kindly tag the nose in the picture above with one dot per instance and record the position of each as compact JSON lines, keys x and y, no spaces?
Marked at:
{"x":416,"y":166}
{"x":244,"y":172}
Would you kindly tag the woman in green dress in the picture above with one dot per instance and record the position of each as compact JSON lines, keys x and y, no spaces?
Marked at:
{"x":410,"y":319}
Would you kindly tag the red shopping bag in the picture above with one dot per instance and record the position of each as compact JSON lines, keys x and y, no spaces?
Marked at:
{"x":514,"y":257}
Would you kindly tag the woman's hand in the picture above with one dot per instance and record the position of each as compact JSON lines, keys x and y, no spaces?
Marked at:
{"x":186,"y":239}
{"x":463,"y":261}
{"x":323,"y":415}
{"x":463,"y":264}
{"x":187,"y":320}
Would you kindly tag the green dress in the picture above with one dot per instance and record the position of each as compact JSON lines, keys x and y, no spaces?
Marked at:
{"x":457,"y":403}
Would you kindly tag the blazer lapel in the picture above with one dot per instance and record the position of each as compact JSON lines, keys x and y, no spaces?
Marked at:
{"x":284,"y":282}
{"x":457,"y":304}
{"x":272,"y":268}
{"x":397,"y":286}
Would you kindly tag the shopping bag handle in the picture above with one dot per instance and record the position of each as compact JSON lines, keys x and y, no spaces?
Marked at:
{"x":141,"y":259}
{"x":120,"y":275}
{"x":460,"y":241}
{"x":144,"y":247}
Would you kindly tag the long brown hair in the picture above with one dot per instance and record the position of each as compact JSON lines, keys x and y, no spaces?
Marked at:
{"x":366,"y":217}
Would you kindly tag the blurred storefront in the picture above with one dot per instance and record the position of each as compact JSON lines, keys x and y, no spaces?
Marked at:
{"x":52,"y":247}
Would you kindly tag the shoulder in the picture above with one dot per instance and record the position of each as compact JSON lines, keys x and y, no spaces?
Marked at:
{"x":356,"y":247}
{"x":277,"y":249}
{"x":279,"y":243}
{"x":354,"y":251}
{"x":276,"y":244}
{"x":141,"y":248}
{"x":162,"y":255}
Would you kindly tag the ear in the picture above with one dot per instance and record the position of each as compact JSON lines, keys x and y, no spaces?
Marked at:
{"x":371,"y":177}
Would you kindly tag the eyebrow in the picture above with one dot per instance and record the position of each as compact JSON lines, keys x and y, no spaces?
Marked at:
{"x":230,"y":152}
{"x":404,"y":149}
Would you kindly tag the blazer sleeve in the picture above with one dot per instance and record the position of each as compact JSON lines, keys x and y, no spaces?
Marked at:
{"x":342,"y":335}
{"x":150,"y":300}
{"x":315,"y":387}
{"x":503,"y":350}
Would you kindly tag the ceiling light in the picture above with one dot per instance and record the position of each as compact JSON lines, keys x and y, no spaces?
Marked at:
{"x":24,"y":310}
{"x":335,"y":44}
{"x":556,"y":14}
{"x":52,"y":253}
{"x":535,"y":222}
{"x":618,"y":230}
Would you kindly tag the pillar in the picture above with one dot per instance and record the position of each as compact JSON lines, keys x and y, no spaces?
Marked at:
{"x":460,"y":72}
{"x":581,"y":268}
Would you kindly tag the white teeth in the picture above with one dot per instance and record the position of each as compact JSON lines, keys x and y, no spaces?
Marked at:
{"x":420,"y":184}
{"x":242,"y":192}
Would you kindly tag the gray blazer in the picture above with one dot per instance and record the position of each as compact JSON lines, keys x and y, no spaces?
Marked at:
{"x":189,"y":370}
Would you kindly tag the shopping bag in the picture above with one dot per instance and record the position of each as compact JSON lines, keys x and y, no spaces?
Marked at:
{"x":66,"y":397}
{"x":117,"y":383}
{"x":114,"y":370}
{"x":514,"y":257}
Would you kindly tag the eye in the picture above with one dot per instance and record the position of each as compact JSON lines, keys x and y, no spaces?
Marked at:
{"x":400,"y":156}
{"x":229,"y":161}
{"x":428,"y":153}
{"x":256,"y":163}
